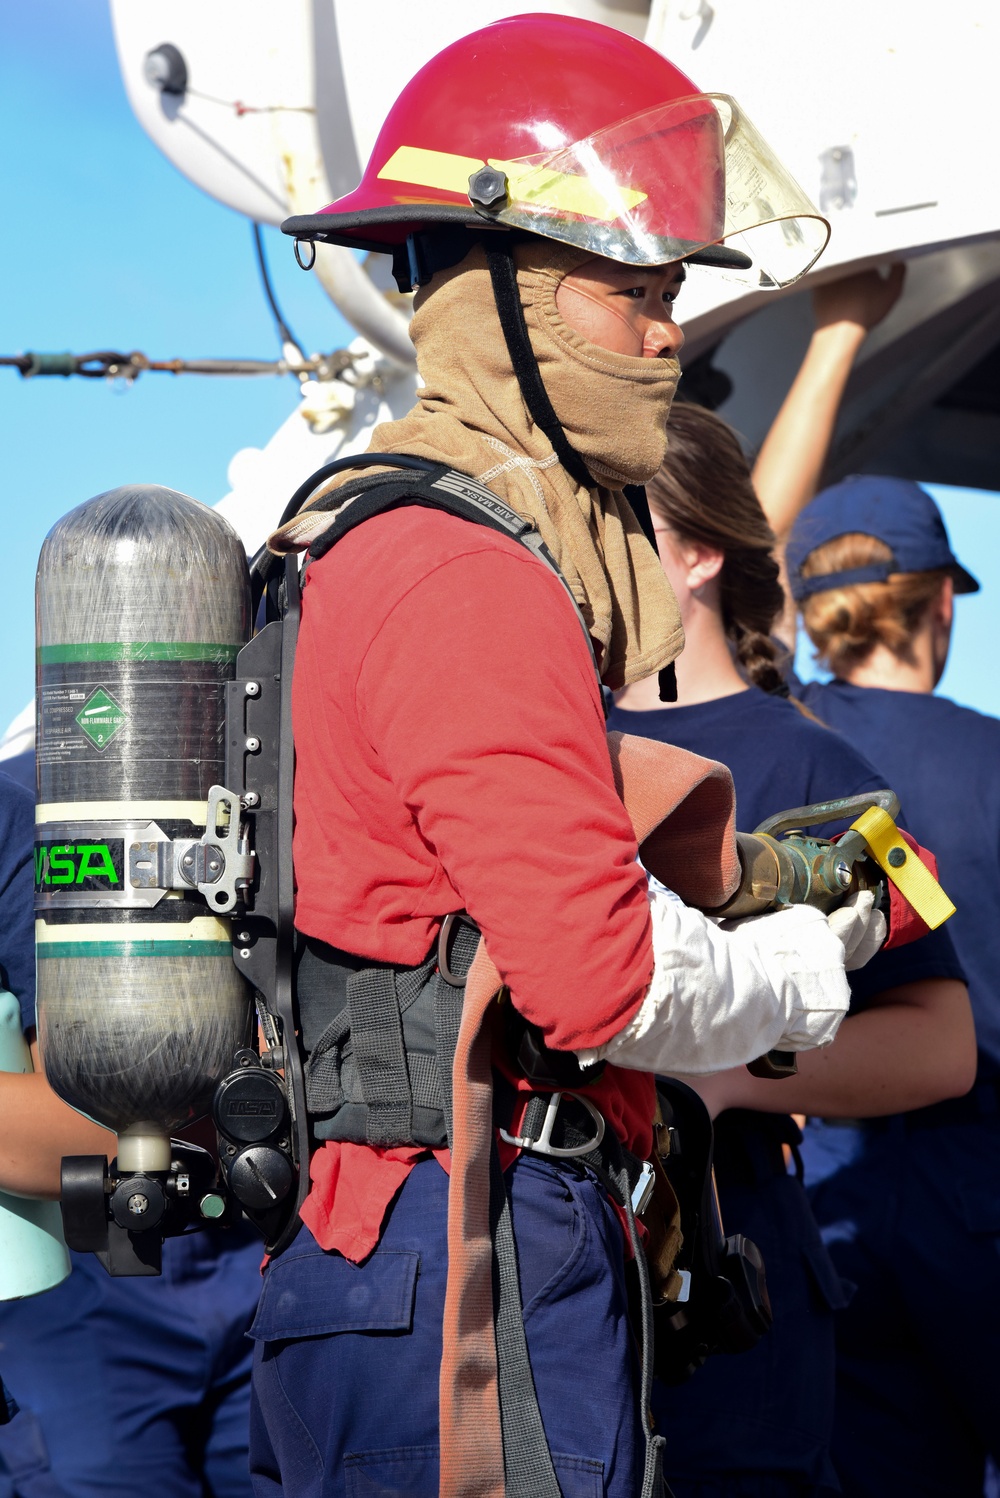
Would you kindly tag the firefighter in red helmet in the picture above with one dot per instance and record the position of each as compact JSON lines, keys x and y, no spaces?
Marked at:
{"x":453,"y":1315}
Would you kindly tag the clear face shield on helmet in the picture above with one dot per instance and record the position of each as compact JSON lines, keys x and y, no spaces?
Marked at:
{"x":664,"y":183}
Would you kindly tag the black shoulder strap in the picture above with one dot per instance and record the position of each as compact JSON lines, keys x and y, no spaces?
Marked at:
{"x":437,"y":487}
{"x":431,"y":485}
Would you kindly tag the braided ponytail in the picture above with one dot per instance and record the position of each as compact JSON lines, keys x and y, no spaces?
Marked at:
{"x":758,"y":658}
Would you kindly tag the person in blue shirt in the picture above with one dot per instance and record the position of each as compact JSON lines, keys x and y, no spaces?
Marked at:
{"x":125,"y":1386}
{"x":20,"y":768}
{"x":910,"y":1205}
{"x":36,"y":1128}
{"x":15,"y":925}
{"x":759,"y":1424}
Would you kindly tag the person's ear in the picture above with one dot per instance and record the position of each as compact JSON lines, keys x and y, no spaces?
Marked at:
{"x":942,"y":613}
{"x":945,"y":605}
{"x":704,"y":563}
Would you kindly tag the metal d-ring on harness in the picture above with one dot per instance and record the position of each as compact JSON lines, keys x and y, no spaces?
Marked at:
{"x":541,"y":1142}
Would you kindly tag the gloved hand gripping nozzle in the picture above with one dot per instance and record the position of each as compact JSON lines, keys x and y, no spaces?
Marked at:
{"x":782,"y":866}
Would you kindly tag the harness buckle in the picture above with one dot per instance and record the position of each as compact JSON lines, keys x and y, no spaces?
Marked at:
{"x":444,"y":937}
{"x":542,"y":1145}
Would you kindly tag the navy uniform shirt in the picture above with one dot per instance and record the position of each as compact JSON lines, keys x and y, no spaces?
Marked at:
{"x":17,"y":927}
{"x":17,"y":895}
{"x":743,"y":1421}
{"x":20,"y":767}
{"x":944,"y":762}
{"x":780,"y":759}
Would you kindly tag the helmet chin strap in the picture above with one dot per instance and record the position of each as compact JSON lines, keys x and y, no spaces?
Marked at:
{"x":415,"y":264}
{"x":503,"y":275}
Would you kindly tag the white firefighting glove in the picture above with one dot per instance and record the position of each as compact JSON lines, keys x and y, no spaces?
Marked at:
{"x":725,"y":992}
{"x":860,"y":927}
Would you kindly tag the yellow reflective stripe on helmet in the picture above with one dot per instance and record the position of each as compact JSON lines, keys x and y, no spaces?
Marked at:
{"x":534,"y":186}
{"x":567,"y":192}
{"x":912,"y":878}
{"x":438,"y":169}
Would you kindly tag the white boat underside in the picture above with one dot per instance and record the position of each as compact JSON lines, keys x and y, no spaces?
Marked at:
{"x":883,"y":113}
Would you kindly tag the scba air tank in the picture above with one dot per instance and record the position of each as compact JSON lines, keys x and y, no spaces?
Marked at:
{"x":142,"y":604}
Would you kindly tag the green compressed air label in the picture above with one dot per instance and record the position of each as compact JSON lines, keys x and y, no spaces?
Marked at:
{"x":101,"y":717}
{"x":148,"y":729}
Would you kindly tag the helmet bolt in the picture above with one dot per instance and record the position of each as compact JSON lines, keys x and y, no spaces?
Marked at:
{"x":896,"y":858}
{"x":488,"y":189}
{"x":843,"y":874}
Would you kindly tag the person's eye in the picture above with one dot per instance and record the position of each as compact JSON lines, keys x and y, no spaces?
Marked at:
{"x":634,"y":293}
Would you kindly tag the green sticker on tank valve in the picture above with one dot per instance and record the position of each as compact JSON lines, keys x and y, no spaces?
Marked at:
{"x":100,"y":718}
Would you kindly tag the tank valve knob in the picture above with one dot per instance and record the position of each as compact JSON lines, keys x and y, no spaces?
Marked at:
{"x":138,"y":1203}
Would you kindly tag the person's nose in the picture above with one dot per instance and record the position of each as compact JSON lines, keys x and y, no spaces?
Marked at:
{"x":662,"y":337}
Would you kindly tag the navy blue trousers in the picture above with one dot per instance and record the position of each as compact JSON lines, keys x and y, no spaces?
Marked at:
{"x":345,"y":1398}
{"x":135,"y":1386}
{"x":758,"y":1424}
{"x":914,"y":1221}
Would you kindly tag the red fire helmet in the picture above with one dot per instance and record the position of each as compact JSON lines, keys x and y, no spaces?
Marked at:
{"x":577,"y":132}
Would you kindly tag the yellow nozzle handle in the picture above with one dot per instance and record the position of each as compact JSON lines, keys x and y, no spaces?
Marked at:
{"x":899,"y":863}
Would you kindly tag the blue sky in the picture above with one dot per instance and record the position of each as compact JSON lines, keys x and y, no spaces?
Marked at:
{"x":104,"y":245}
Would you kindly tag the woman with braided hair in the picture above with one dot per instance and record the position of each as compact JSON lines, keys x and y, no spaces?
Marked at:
{"x":703,"y":496}
{"x":759,"y":1426}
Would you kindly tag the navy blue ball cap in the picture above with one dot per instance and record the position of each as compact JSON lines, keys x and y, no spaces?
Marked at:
{"x":896,"y":512}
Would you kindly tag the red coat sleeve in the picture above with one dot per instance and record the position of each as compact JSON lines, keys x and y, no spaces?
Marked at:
{"x":479,"y":698}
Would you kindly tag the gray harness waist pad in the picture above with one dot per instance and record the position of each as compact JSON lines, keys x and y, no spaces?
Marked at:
{"x":379,"y":1042}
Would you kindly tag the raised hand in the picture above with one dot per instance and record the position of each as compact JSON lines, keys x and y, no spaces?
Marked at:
{"x":863,"y":299}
